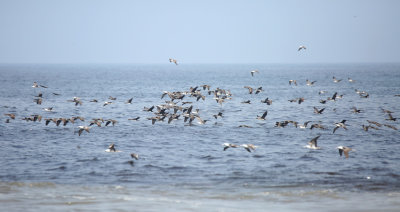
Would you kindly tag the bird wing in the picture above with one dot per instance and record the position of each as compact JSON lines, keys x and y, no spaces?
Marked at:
{"x":335,"y":129}
{"x":265,"y":114}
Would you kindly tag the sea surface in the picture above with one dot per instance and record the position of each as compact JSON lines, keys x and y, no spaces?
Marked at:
{"x":182,"y":166}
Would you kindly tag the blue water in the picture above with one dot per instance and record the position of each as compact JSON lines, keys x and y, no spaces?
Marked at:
{"x":178,"y":160}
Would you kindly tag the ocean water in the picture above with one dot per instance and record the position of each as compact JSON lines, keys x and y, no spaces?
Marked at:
{"x":183,"y":167}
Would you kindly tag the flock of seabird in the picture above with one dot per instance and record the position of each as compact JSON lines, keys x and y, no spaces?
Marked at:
{"x":176,"y":108}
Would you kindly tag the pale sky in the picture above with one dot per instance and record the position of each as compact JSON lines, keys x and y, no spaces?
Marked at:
{"x":206,"y":31}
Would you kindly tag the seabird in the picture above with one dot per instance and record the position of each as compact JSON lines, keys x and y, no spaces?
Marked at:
{"x":318,"y":111}
{"x":249,"y":147}
{"x":293,"y":81}
{"x":390,"y":126}
{"x":134,"y":119}
{"x":312,"y":144}
{"x":107,"y":103}
{"x":111,"y":121}
{"x":302,"y":47}
{"x":267,"y":101}
{"x":148,"y":109}
{"x":304,"y":125}
{"x":250,"y":89}
{"x":336,"y":80}
{"x":340,"y":125}
{"x":309,"y":83}
{"x":228,"y":145}
{"x":112,"y":98}
{"x":171,"y":60}
{"x":129,"y":101}
{"x":345,"y":150}
{"x":94,"y":100}
{"x":136,"y":156}
{"x":391,"y":117}
{"x":49,"y":109}
{"x":246,"y":102}
{"x":111,"y":148}
{"x":82,"y":128}
{"x":216,"y":115}
{"x":11,"y":115}
{"x":355,"y":110}
{"x":263,"y":116}
{"x":254,"y":71}
{"x":350,"y":80}
{"x":259,"y":90}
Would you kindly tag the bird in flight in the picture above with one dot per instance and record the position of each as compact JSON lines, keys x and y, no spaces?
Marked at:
{"x":302,"y":47}
{"x":171,"y":60}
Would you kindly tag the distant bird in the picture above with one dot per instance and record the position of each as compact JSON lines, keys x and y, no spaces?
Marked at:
{"x":244,"y":126}
{"x":263,"y":116}
{"x":246,"y":102}
{"x":355,"y":110}
{"x":56,"y":94}
{"x":134,"y":119}
{"x":35,"y":85}
{"x":302,"y":47}
{"x":259,"y":90}
{"x":391,"y":117}
{"x":83,"y":128}
{"x":171,"y":60}
{"x":94,"y":100}
{"x":300,"y":100}
{"x":293,"y":81}
{"x":254,"y":71}
{"x":49,"y":109}
{"x":112,"y":98}
{"x":38,"y":101}
{"x":374,"y":122}
{"x":111,"y":148}
{"x":136,"y":156}
{"x":111,"y":121}
{"x":336,"y":80}
{"x":312,"y":144}
{"x":350,"y":80}
{"x":317,"y":126}
{"x":340,"y":125}
{"x":345,"y":150}
{"x":11,"y":115}
{"x":304,"y":125}
{"x":310,"y":83}
{"x":390,"y":126}
{"x":318,"y":111}
{"x":150,"y":109}
{"x":267,"y":101}
{"x":201,"y":121}
{"x":216,"y":115}
{"x":321,"y":92}
{"x":249,"y":88}
{"x":129,"y":101}
{"x":322,"y":101}
{"x":249,"y":147}
{"x":228,"y":145}
{"x":107,"y":103}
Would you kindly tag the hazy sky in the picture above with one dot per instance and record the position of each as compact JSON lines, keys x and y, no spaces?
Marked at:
{"x":206,"y":31}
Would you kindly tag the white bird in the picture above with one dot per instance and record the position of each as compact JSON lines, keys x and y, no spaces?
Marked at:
{"x":254,"y":71}
{"x":228,"y":145}
{"x":82,"y":128}
{"x":249,"y":147}
{"x":171,"y":60}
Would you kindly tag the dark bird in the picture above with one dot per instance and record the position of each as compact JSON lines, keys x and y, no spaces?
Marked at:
{"x":129,"y":101}
{"x":259,"y":90}
{"x":309,"y":83}
{"x":390,"y":126}
{"x":336,"y":80}
{"x":267,"y":101}
{"x":216,"y":115}
{"x":312,"y":144}
{"x":111,"y":148}
{"x":136,"y":156}
{"x":292,"y":82}
{"x":301,"y":47}
{"x":345,"y":150}
{"x":246,"y":102}
{"x":107,"y":103}
{"x":340,"y":125}
{"x":148,"y":109}
{"x":135,"y":119}
{"x":318,"y":111}
{"x":111,"y":121}
{"x":391,"y":117}
{"x":112,"y":98}
{"x":263,"y":116}
{"x":355,"y":110}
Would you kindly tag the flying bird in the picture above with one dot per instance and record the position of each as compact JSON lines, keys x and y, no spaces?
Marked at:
{"x":254,"y":71}
{"x":171,"y":60}
{"x":302,"y":47}
{"x":345,"y":150}
{"x":312,"y":144}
